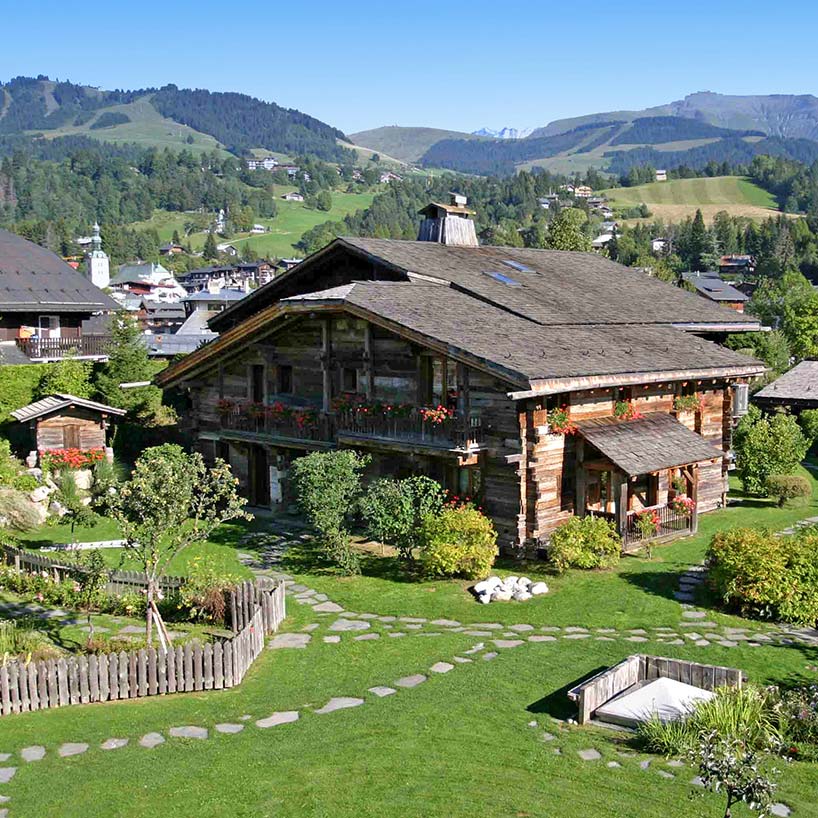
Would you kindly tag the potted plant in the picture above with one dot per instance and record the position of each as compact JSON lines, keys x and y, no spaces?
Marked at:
{"x":625,"y":410}
{"x":559,"y":421}
{"x":682,"y":504}
{"x":647,"y":523}
{"x":687,"y":403}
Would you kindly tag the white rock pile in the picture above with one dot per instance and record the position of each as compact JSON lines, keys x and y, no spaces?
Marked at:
{"x":520,"y":589}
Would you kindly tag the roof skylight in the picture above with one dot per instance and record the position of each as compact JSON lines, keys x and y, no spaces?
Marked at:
{"x":503,"y":279}
{"x":518,"y":265}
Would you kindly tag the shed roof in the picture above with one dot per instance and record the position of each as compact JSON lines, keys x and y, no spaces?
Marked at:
{"x":799,"y":384}
{"x":33,"y":279}
{"x":712,"y":287}
{"x":59,"y":401}
{"x":648,"y":444}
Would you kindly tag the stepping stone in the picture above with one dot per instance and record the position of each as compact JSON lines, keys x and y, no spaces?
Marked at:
{"x":364,"y":636}
{"x":613,"y":765}
{"x":643,"y":765}
{"x":605,"y":639}
{"x":675,"y":762}
{"x":636,"y":639}
{"x":433,"y":633}
{"x":368,"y":616}
{"x":521,"y":628}
{"x":6,"y":774}
{"x":603,"y":630}
{"x":188,"y":731}
{"x":547,"y":737}
{"x":780,"y":809}
{"x":413,"y":619}
{"x":311,"y":628}
{"x":339,"y":703}
{"x":349,"y":625}
{"x":638,"y":631}
{"x":298,"y":588}
{"x":321,"y":598}
{"x":676,"y":642}
{"x":575,"y":629}
{"x":461,"y":660}
{"x":97,"y":629}
{"x":475,"y":649}
{"x":694,"y":614}
{"x":683,"y":596}
{"x":577,"y":636}
{"x":701,"y":643}
{"x":381,"y":690}
{"x":227,"y":727}
{"x":72,"y":748}
{"x":331,"y":640}
{"x":694,"y":635}
{"x":554,"y":629}
{"x":411,"y":681}
{"x":35,"y":753}
{"x":665,"y":774}
{"x":489,"y":656}
{"x":397,"y":634}
{"x":697,"y":781}
{"x":441,"y":667}
{"x":387,"y":618}
{"x":542,"y":638}
{"x":131,"y":629}
{"x":284,"y":717}
{"x":728,"y":643}
{"x":589,"y":755}
{"x":113,"y":744}
{"x":557,"y":751}
{"x":508,"y":643}
{"x":151,"y":740}
{"x":445,"y":623}
{"x":5,"y":756}
{"x":488,"y":626}
{"x":328,"y":607}
{"x":477,"y":633}
{"x":412,"y":626}
{"x":289,"y":640}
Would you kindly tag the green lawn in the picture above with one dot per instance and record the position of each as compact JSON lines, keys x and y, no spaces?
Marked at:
{"x":457,"y":744}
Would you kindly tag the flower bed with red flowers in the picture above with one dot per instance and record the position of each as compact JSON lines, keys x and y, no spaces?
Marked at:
{"x":436,"y":415}
{"x":56,"y":459}
{"x":682,"y":504}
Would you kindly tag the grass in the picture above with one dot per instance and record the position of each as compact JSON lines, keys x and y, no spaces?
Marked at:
{"x":456,"y":744}
{"x":678,"y":198}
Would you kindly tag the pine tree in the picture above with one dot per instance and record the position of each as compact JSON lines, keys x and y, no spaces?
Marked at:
{"x":700,"y":244}
{"x":210,"y":252}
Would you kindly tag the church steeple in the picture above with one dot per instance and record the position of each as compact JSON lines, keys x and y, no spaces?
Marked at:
{"x":96,"y":240}
{"x":97,"y":264}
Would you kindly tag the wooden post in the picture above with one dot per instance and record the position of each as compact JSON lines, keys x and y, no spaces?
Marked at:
{"x":694,"y":496}
{"x":369,"y":381}
{"x":581,"y":479}
{"x":622,"y":506}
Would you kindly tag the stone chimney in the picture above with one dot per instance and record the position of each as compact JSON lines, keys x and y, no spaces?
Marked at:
{"x":449,"y":224}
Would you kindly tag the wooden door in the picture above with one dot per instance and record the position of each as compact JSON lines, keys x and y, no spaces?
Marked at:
{"x":259,"y":477}
{"x":71,"y":437}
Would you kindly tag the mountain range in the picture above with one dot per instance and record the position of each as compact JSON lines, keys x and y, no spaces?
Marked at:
{"x":504,"y":133}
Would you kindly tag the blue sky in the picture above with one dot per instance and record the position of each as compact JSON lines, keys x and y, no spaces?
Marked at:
{"x":360,"y":64}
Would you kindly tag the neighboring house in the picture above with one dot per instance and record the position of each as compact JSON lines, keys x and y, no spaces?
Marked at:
{"x":500,"y":338}
{"x":157,"y":318}
{"x":66,"y":422}
{"x":202,"y":306}
{"x":171,"y":249}
{"x":544,"y":203}
{"x":659,"y":246}
{"x":285,"y":264}
{"x":267,"y":163}
{"x":583,"y":192}
{"x":241,"y":274}
{"x":259,"y":228}
{"x":387,"y":177}
{"x":228,"y":249}
{"x":661,"y":176}
{"x":737,"y":265}
{"x":796,"y":389}
{"x":46,"y":306}
{"x":149,"y":281}
{"x":293,"y":196}
{"x":711,"y":287}
{"x":601,"y":241}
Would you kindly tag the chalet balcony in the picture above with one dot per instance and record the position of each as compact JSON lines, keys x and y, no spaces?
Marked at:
{"x":53,"y":349}
{"x":456,"y":432}
{"x":666,"y":522}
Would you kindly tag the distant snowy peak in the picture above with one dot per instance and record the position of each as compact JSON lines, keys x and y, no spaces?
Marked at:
{"x":504,"y":133}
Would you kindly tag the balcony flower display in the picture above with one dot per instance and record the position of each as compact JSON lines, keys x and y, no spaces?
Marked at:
{"x":56,"y":459}
{"x":682,"y":504}
{"x":647,"y":523}
{"x":254,"y":410}
{"x":224,"y":406}
{"x":625,"y":410}
{"x":560,"y":423}
{"x":687,"y":403}
{"x":436,"y":415}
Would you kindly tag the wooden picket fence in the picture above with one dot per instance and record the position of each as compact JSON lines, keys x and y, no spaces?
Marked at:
{"x":27,"y":686}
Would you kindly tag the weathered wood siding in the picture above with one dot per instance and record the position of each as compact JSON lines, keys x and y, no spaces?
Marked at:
{"x":75,"y":428}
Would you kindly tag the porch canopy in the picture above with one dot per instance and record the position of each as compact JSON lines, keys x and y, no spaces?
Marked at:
{"x":648,"y":444}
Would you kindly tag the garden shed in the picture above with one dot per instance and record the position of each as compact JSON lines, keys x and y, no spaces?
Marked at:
{"x":67,"y":422}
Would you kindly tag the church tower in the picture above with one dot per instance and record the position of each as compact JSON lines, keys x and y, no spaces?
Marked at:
{"x":97,"y":262}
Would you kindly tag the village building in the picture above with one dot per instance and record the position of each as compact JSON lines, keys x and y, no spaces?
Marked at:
{"x":711,"y":287}
{"x":661,"y":176}
{"x":545,"y":384}
{"x":293,"y":196}
{"x":149,"y":281}
{"x":66,"y":422}
{"x":46,"y":306}
{"x":737,"y":265}
{"x":171,"y":249}
{"x":795,"y":390}
{"x":97,"y":263}
{"x":240,"y":274}
{"x":267,"y":163}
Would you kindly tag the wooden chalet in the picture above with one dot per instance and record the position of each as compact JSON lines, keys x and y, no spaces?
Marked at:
{"x":63,"y":421}
{"x":796,"y":389}
{"x":449,"y":359}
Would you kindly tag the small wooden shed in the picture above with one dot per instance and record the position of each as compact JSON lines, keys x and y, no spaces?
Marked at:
{"x":67,"y":422}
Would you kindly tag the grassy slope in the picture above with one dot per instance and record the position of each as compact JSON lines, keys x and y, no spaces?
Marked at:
{"x":405,"y":144}
{"x":678,"y":198}
{"x":147,"y":128}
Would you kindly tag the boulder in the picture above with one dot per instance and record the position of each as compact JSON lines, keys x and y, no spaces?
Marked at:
{"x":86,"y":501}
{"x":484,"y":598}
{"x":510,"y":582}
{"x":538,"y":588}
{"x":35,"y":471}
{"x":39,"y":494}
{"x":521,"y":595}
{"x":487,"y":585}
{"x":57,"y":509}
{"x":501,"y":595}
{"x":523,"y":582}
{"x":84,"y":479}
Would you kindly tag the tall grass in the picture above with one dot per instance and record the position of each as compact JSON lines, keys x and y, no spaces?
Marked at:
{"x":20,"y":640}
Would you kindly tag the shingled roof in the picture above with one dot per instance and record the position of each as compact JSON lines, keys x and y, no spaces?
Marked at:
{"x":648,"y":444}
{"x":799,"y":385}
{"x":549,"y":287}
{"x":59,"y":401}
{"x":33,"y":279}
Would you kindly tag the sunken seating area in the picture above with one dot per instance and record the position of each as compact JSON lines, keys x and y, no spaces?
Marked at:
{"x":641,"y":686}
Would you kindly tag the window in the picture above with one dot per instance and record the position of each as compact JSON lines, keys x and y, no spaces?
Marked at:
{"x":285,"y":380}
{"x":257,"y":383}
{"x":504,"y":279}
{"x":349,"y":379}
{"x":518,"y":265}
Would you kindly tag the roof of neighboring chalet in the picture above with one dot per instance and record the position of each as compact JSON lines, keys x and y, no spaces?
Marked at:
{"x":453,"y":209}
{"x":523,"y":353}
{"x":799,"y":384}
{"x":551,"y":287}
{"x":648,"y":444}
{"x":168,"y":346}
{"x":33,"y":279}
{"x":58,"y":402}
{"x":712,"y":287}
{"x":196,"y":324}
{"x":225,"y":294}
{"x":142,"y":273}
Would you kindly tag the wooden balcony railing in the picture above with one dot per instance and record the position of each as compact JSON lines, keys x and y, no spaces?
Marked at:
{"x":304,"y":423}
{"x":671,"y":523}
{"x":96,"y":346}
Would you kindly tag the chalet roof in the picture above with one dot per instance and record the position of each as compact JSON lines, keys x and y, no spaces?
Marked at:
{"x":33,"y":279}
{"x":648,"y":444}
{"x":59,"y":401}
{"x":799,"y":384}
{"x":453,"y":209}
{"x":712,"y":287}
{"x":550,"y":287}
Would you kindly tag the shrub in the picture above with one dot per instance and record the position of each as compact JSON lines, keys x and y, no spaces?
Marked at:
{"x":203,"y":593}
{"x":104,"y":483}
{"x":787,"y":487}
{"x":22,"y":639}
{"x":25,"y":483}
{"x":17,"y":510}
{"x":585,"y":542}
{"x":458,"y":542}
{"x":767,"y":445}
{"x":808,"y":421}
{"x":798,"y":712}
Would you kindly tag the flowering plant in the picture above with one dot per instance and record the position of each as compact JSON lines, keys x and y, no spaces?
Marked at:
{"x":682,"y":504}
{"x":224,"y":406}
{"x":647,"y":522}
{"x":436,"y":415}
{"x":560,"y":422}
{"x":254,"y":410}
{"x":687,"y":403}
{"x":625,"y":410}
{"x":70,"y":458}
{"x":304,"y":418}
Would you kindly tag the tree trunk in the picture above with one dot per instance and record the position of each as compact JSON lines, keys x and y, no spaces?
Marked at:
{"x":148,"y":601}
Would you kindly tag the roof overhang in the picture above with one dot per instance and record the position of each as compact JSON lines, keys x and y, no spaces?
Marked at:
{"x":728,"y":326}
